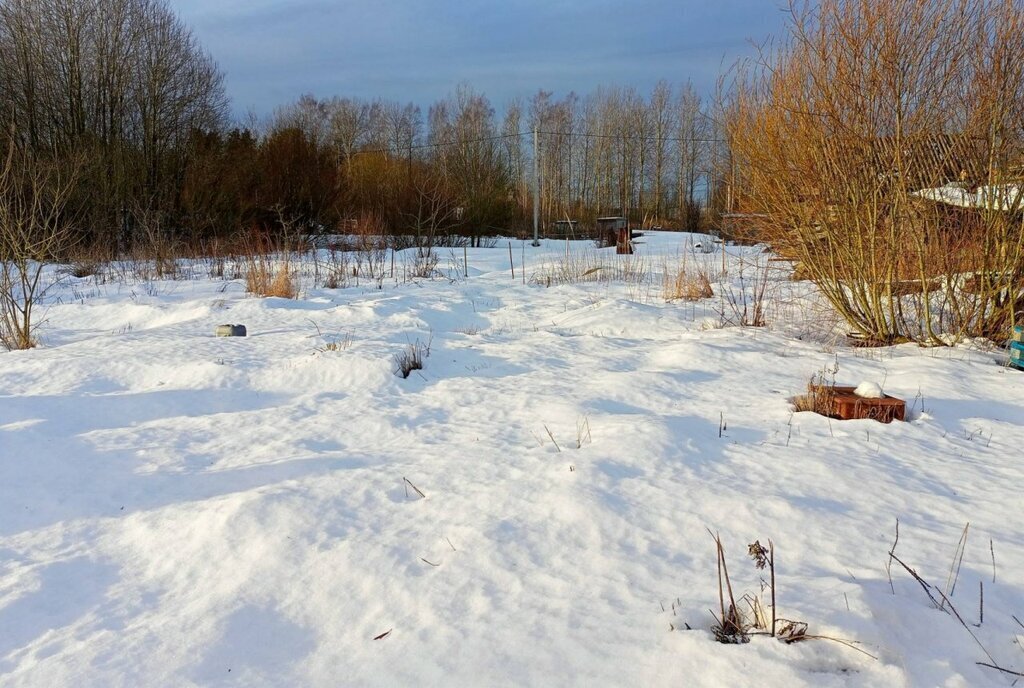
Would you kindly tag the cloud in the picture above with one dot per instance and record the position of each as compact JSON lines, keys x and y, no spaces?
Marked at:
{"x":418,"y":50}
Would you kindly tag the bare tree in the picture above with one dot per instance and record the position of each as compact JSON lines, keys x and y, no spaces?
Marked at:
{"x":34,"y":229}
{"x":349,"y":123}
{"x":515,"y":157}
{"x":692,"y":133}
{"x":661,"y":122}
{"x":472,"y":160}
{"x":433,"y":215}
{"x":119,"y":83}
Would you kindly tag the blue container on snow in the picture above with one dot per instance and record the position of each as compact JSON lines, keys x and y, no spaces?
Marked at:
{"x":1017,"y":353}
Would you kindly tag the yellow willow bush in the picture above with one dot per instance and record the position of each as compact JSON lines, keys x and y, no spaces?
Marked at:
{"x":882,"y":143}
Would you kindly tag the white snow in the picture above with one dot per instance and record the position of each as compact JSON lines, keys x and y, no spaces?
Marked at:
{"x":1004,"y":196}
{"x":178,"y":509}
{"x":869,"y":390}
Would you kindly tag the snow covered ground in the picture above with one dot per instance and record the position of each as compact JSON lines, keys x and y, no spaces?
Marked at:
{"x":178,"y":509}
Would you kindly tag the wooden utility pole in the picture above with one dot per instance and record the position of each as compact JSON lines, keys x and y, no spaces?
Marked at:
{"x":536,"y":187}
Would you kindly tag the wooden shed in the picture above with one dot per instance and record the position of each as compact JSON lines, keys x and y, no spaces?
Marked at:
{"x":614,"y":231}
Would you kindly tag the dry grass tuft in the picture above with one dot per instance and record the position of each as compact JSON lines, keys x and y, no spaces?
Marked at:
{"x":411,"y":358}
{"x":731,"y":626}
{"x":818,"y":399}
{"x":263,"y":280}
{"x":86,"y":267}
{"x":267,"y":276}
{"x":283,"y":285}
{"x":739,"y":619}
{"x":592,"y":266}
{"x":268,"y":268}
{"x":333,"y":343}
{"x":335,"y":280}
{"x":343,"y":344}
{"x":821,"y":392}
{"x":686,"y":285}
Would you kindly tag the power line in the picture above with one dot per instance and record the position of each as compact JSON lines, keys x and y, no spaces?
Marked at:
{"x":441,"y":144}
{"x":500,"y":137}
{"x":619,"y":137}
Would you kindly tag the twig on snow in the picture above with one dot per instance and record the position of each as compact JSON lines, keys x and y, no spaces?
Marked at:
{"x":408,"y":484}
{"x":553,"y":439}
{"x":852,"y":644}
{"x":924,"y":584}
{"x":888,"y":568}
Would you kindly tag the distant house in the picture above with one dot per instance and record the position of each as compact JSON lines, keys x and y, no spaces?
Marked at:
{"x":563,"y":228}
{"x":741,"y":228}
{"x":614,"y":231}
{"x":611,"y":224}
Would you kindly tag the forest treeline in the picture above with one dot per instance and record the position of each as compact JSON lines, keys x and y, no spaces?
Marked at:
{"x":121,"y":93}
{"x":877,"y":146}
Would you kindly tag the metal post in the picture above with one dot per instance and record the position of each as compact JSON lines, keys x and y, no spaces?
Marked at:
{"x":536,"y":187}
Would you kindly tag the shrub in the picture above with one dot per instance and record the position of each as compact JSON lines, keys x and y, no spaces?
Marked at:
{"x":745,"y":299}
{"x":34,"y":229}
{"x":879,"y":146}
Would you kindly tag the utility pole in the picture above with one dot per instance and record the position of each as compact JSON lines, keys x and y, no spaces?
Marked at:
{"x":536,"y":187}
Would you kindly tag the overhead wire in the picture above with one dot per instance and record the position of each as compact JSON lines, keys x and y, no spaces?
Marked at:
{"x":498,"y":137}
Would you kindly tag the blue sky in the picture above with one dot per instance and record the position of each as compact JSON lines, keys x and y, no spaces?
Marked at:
{"x":419,"y":50}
